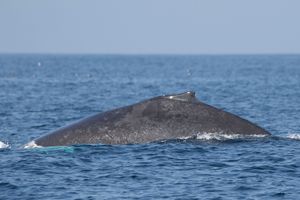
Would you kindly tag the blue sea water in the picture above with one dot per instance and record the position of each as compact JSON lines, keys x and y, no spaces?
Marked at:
{"x":39,"y":93}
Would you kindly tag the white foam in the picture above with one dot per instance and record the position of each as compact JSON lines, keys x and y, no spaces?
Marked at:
{"x":294,"y":136}
{"x":220,"y":136}
{"x":217,"y":136}
{"x":31,"y":145}
{"x":3,"y":145}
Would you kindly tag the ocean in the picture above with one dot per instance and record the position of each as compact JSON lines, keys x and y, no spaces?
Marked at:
{"x":40,"y":93}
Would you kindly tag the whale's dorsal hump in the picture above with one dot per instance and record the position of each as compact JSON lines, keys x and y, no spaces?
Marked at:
{"x":189,"y":96}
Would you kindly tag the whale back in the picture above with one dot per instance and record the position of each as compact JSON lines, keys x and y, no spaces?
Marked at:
{"x":164,"y":117}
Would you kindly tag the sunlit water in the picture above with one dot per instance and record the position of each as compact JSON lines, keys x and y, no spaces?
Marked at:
{"x":39,"y":93}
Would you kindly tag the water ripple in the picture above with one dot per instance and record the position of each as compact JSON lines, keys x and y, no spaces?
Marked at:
{"x":37,"y":99}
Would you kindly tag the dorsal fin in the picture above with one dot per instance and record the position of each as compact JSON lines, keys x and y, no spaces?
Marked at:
{"x":189,"y":96}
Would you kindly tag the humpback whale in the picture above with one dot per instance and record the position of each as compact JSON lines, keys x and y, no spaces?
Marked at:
{"x":159,"y":118}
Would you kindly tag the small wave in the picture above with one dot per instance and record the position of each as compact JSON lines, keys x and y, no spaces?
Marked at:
{"x":33,"y":146}
{"x":294,"y":136}
{"x":8,"y":185}
{"x":3,"y":145}
{"x":220,"y":136}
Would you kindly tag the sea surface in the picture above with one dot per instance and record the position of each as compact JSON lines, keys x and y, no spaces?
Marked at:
{"x":39,"y":93}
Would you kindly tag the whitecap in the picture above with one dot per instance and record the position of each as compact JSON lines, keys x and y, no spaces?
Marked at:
{"x":31,"y":144}
{"x":3,"y":145}
{"x":294,"y":136}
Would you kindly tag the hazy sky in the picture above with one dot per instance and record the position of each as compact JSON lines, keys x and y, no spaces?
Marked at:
{"x":150,"y":26}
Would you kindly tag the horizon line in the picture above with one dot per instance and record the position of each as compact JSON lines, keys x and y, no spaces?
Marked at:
{"x":149,"y":54}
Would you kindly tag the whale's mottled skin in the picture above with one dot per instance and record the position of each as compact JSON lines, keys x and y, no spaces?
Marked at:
{"x":159,"y":118}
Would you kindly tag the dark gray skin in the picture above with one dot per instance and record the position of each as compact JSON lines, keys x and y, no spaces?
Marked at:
{"x":160,"y":118}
